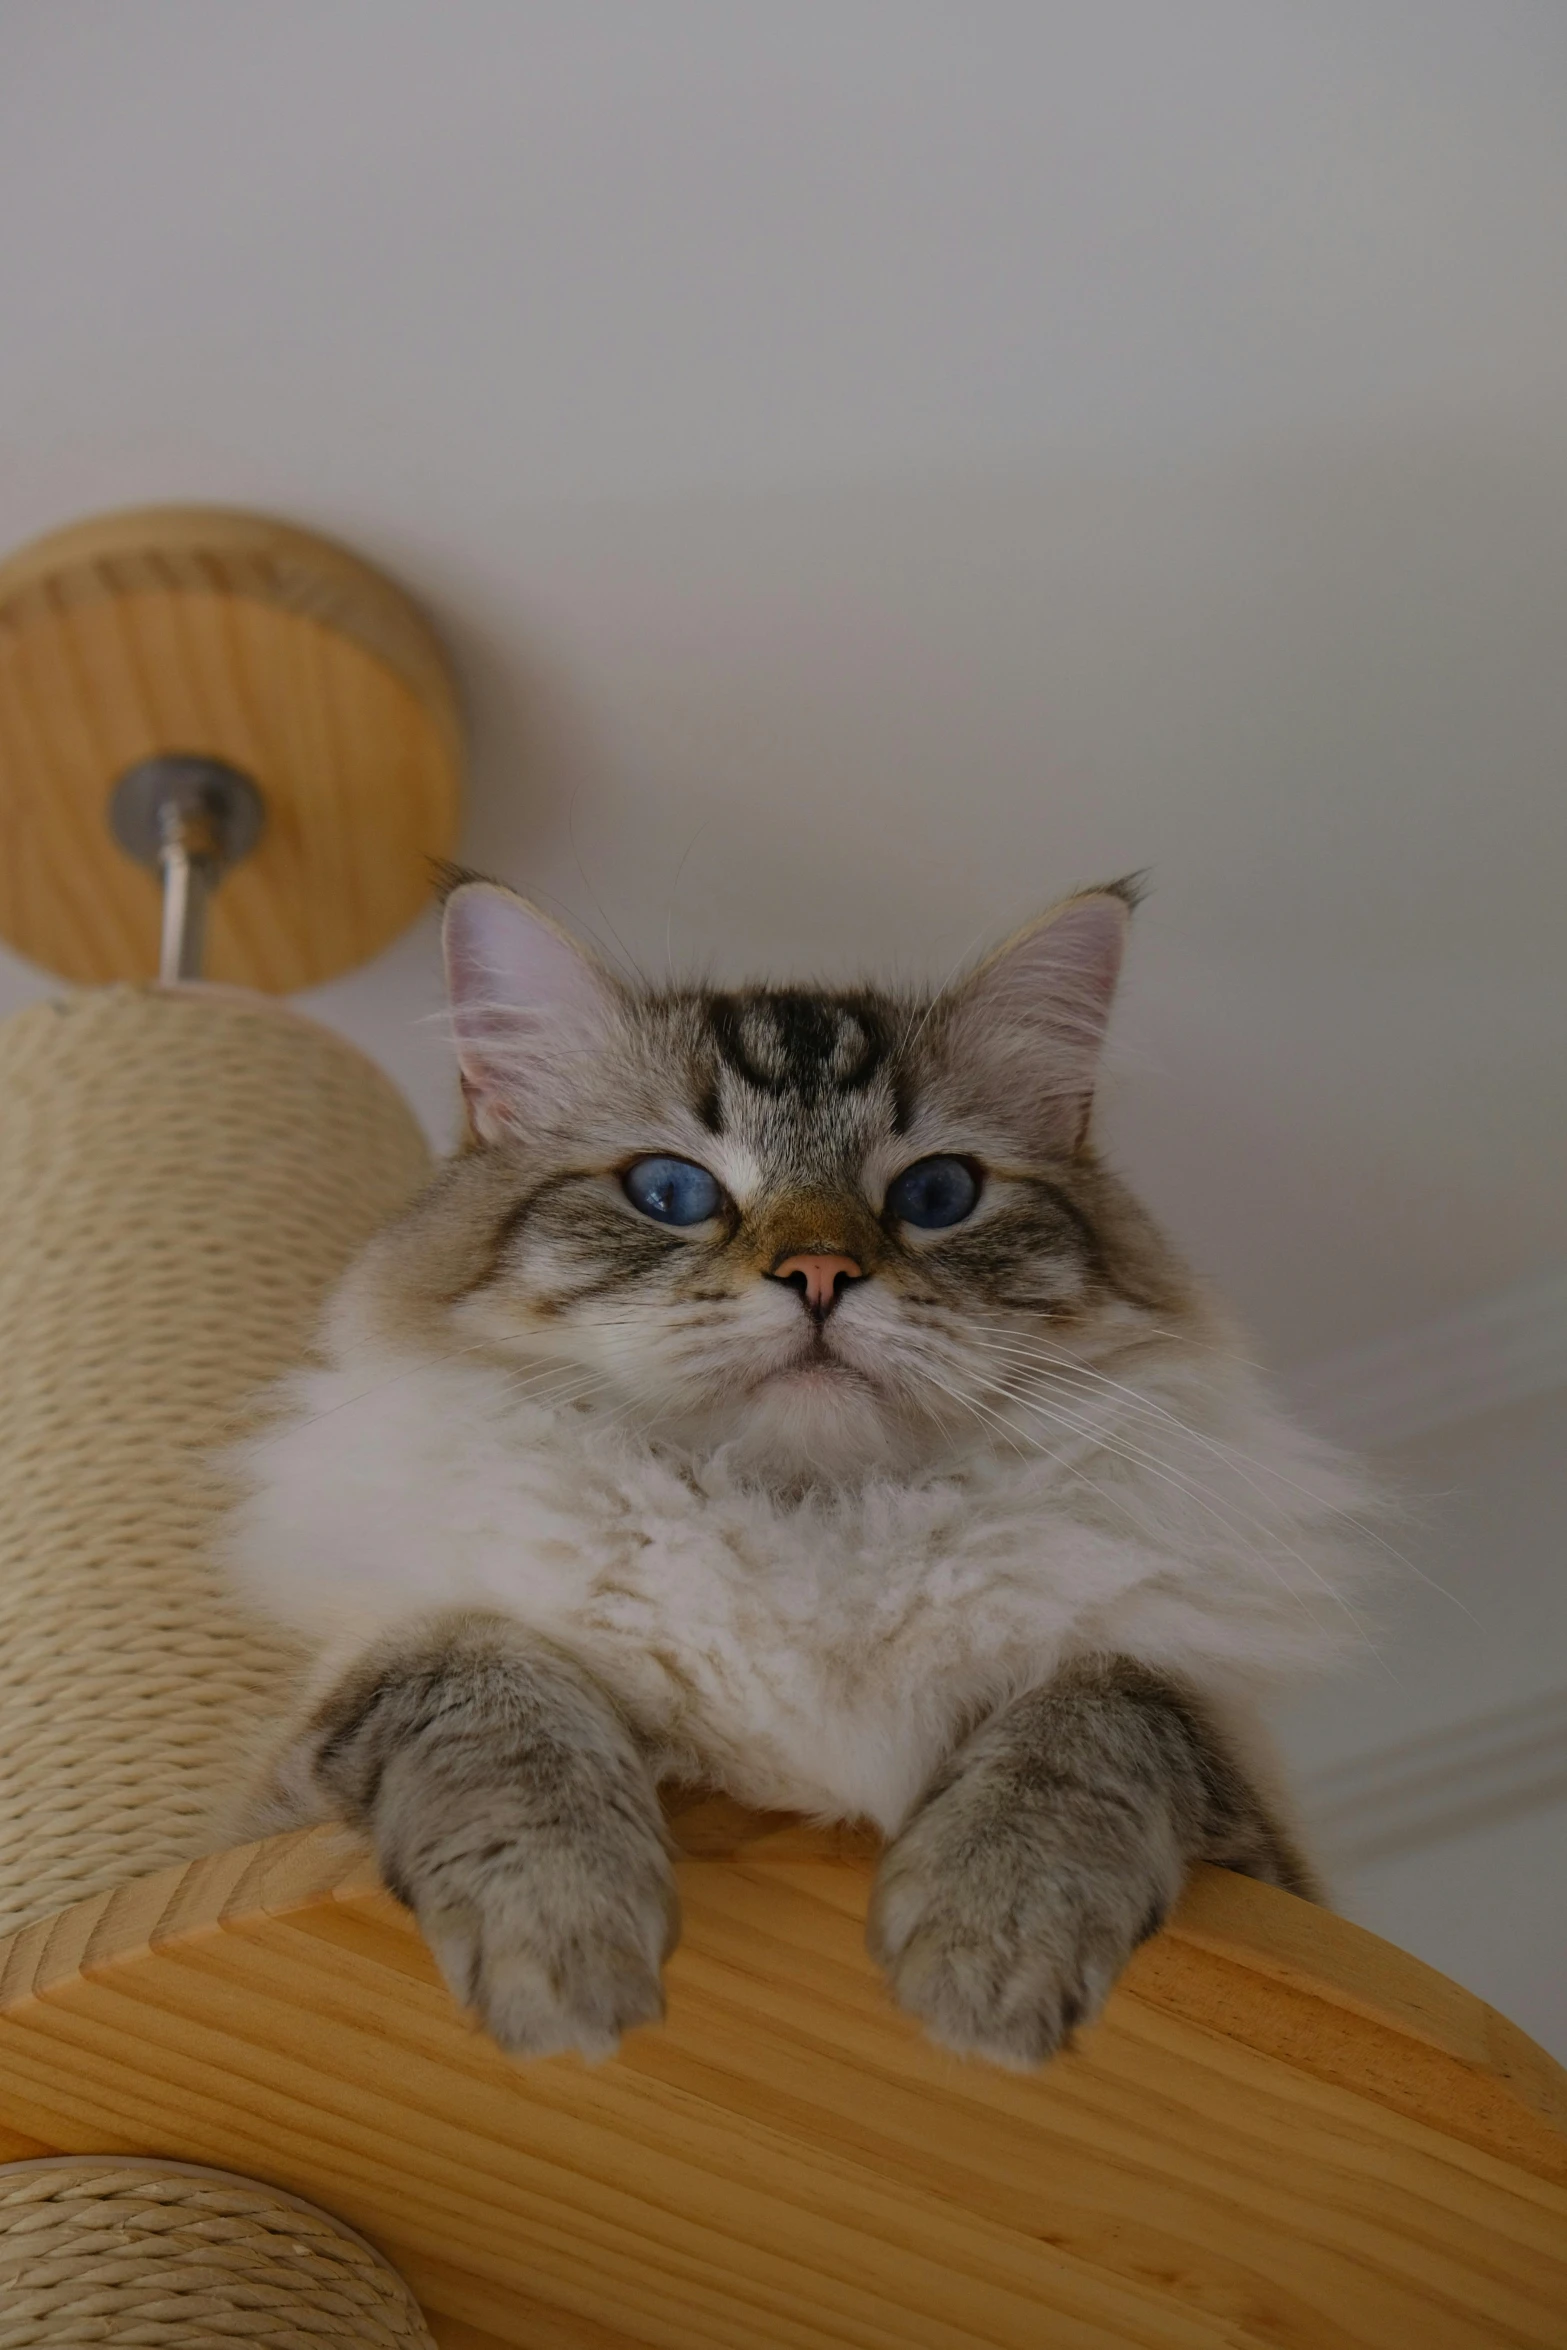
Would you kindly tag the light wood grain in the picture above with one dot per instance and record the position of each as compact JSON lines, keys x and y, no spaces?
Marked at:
{"x":1283,"y":2133}
{"x":199,"y":630}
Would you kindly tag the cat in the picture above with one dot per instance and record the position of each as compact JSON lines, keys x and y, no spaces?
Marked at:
{"x":778,"y":1394}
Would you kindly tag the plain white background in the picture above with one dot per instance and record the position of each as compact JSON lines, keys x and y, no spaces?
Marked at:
{"x":878,"y":465}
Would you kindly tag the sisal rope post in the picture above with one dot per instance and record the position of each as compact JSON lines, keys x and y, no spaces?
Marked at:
{"x":174,"y":2257}
{"x":183,"y":1175}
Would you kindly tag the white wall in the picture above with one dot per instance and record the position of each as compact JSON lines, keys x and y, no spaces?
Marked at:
{"x":1438,"y":1774}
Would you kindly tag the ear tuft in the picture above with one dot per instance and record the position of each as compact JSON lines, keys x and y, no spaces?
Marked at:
{"x":528,"y":1005}
{"x":1131,"y":889}
{"x":447,"y":877}
{"x":1033,"y":1018}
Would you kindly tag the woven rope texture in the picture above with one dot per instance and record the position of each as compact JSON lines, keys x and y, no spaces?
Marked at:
{"x":183,"y":1175}
{"x":99,"y":2250}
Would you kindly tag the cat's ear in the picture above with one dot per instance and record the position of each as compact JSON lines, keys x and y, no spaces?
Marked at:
{"x":1030,"y":1023}
{"x":528,"y":1005}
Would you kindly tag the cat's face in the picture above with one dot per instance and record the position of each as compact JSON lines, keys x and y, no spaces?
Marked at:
{"x":834,"y":1230}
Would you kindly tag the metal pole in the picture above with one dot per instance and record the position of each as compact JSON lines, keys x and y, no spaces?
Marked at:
{"x":190,"y":818}
{"x":190,"y":871}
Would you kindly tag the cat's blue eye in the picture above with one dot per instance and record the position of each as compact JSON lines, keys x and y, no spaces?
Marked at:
{"x":933,"y":1192}
{"x":672,"y":1191}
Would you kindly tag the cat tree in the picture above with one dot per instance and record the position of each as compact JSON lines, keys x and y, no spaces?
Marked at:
{"x":235,"y":2101}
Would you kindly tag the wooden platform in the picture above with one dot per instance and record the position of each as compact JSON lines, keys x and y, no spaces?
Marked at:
{"x":1283,"y":2133}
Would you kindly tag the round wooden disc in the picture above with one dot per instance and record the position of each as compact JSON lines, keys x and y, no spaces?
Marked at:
{"x":190,"y":629}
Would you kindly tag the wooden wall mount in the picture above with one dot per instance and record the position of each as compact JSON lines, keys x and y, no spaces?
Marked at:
{"x":194,"y":629}
{"x":1283,"y":2135}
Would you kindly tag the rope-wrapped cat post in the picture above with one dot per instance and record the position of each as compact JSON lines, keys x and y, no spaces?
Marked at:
{"x":182,"y":1176}
{"x":184,"y":1171}
{"x":113,"y":2250}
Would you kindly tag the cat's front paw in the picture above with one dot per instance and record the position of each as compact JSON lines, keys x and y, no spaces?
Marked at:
{"x":1000,"y":1936}
{"x":552,"y":1946}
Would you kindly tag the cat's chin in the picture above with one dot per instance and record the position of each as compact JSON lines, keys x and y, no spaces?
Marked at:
{"x":821,"y":1423}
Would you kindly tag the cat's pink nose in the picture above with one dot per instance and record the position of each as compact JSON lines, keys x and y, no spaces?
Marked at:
{"x":821,"y":1280}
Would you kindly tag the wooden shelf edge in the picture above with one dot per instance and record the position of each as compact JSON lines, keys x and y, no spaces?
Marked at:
{"x":1241,"y":1960}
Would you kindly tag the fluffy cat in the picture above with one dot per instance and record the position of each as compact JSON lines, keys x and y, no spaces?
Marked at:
{"x":778,"y":1394}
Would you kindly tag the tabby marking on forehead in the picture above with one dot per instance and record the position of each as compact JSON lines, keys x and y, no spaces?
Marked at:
{"x":780,"y":1041}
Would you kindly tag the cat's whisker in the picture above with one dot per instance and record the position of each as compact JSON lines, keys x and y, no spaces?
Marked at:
{"x":1207,"y":1346}
{"x":1146,"y":1330}
{"x":1066,"y":1367}
{"x":1106,"y":1437}
{"x":1113,"y":1444}
{"x":564,"y":1390}
{"x":262,"y":1443}
{"x":1104,"y":1434}
{"x":1021,"y":1443}
{"x":1079,"y":1474}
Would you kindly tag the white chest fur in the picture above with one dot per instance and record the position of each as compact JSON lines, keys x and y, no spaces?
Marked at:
{"x":815,"y":1655}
